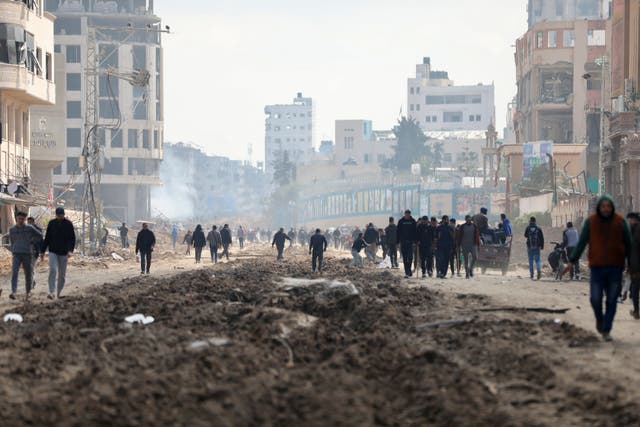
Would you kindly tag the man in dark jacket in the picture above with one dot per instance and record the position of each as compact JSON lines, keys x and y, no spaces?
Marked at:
{"x":124,"y":235}
{"x":145,"y":242}
{"x":22,"y":237}
{"x":407,"y":237}
{"x":278,"y":241}
{"x":609,"y":240}
{"x":60,"y":240}
{"x":317,"y":247}
{"x":336,"y":238}
{"x":227,"y":240}
{"x":392,"y":242}
{"x":215,"y":241}
{"x":425,"y":246}
{"x":469,"y":242}
{"x":358,"y":245}
{"x":535,"y":244}
{"x":292,"y":237}
{"x":199,"y":242}
{"x":444,"y":247}
{"x":371,"y":236}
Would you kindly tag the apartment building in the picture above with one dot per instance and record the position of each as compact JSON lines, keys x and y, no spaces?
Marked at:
{"x":358,"y":144}
{"x":131,"y":117}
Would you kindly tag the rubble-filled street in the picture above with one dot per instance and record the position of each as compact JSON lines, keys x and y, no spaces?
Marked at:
{"x":260,"y":342}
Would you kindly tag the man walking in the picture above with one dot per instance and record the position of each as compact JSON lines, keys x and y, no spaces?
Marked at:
{"x":391,"y":232}
{"x":444,"y":246}
{"x":425,"y":245}
{"x":292,"y":236}
{"x":188,"y":238}
{"x":240,"y":233}
{"x":174,"y":237}
{"x":215,"y":240}
{"x":371,"y":236}
{"x":124,"y":235}
{"x":535,"y":244}
{"x":22,"y":237}
{"x":570,"y":239}
{"x":506,"y":226}
{"x":609,"y":240}
{"x":336,"y":238}
{"x":60,"y":240}
{"x":227,"y":240}
{"x":407,"y":237}
{"x":469,"y":241}
{"x":278,"y":241}
{"x":199,"y":242}
{"x":358,"y":245}
{"x":145,"y":242}
{"x":317,"y":247}
{"x":35,"y":250}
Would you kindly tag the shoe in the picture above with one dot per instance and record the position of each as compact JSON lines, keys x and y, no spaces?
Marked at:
{"x":142,"y":272}
{"x":13,"y":296}
{"x":606,"y":336}
{"x":599,"y":326}
{"x":539,"y":274}
{"x":624,"y":297}
{"x":468,"y":277}
{"x":50,"y":296}
{"x":424,"y":275}
{"x":635,"y":314}
{"x":148,"y":272}
{"x":406,"y":276}
{"x":471,"y":273}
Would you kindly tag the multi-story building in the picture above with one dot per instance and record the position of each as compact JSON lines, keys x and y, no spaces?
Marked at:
{"x":437,"y":104}
{"x":198,"y":186}
{"x":26,"y":79}
{"x":621,"y":153}
{"x":131,"y":117}
{"x":559,"y":71}
{"x":358,"y":144}
{"x":289,"y":132}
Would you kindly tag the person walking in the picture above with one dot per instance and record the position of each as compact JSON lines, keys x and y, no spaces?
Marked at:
{"x":391,"y":233}
{"x":454,"y":252}
{"x":336,"y":238}
{"x":444,"y":246}
{"x":279,"y":240}
{"x":199,"y":242}
{"x":215,"y":240}
{"x":174,"y":237}
{"x":22,"y":237}
{"x":535,"y":245}
{"x":292,"y":236}
{"x":240,"y":234}
{"x":145,"y":243}
{"x":317,"y":247}
{"x":105,"y":236}
{"x":382,"y":243}
{"x":469,"y":242}
{"x":506,"y":226}
{"x":570,"y":239}
{"x":407,"y":236}
{"x":609,"y":239}
{"x":358,"y":245}
{"x":35,"y":250}
{"x":188,"y":238}
{"x":60,"y":240}
{"x":227,"y":241}
{"x":124,"y":235}
{"x":371,"y":236}
{"x":425,"y":244}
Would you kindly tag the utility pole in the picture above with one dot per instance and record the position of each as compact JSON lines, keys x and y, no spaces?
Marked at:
{"x":603,"y":62}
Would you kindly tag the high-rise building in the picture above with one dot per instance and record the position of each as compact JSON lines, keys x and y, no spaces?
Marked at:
{"x":289,"y":132}
{"x":26,"y":79}
{"x":128,"y":40}
{"x":437,"y":104}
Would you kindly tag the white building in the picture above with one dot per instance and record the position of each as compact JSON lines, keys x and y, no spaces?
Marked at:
{"x":26,"y":79}
{"x":358,"y":144}
{"x":438,"y":105}
{"x":289,"y":131}
{"x":127,"y":40}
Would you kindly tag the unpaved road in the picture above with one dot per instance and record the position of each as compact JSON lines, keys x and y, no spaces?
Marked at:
{"x":312,"y":356}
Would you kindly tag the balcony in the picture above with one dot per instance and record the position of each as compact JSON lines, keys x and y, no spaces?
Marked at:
{"x":622,"y":123}
{"x":112,"y":7}
{"x":25,"y":85}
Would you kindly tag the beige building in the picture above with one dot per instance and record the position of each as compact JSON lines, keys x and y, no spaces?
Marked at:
{"x":26,"y":79}
{"x":358,"y":144}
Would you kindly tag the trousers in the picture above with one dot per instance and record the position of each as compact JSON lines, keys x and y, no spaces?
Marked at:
{"x":26,"y":260}
{"x":605,"y":281}
{"x":145,"y":261}
{"x":316,"y":261}
{"x":57,"y":269}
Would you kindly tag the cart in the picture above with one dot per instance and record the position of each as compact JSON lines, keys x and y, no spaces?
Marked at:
{"x":495,"y":257}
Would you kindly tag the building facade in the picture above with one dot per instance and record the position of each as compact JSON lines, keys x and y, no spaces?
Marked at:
{"x":289,"y":132}
{"x":26,"y":79}
{"x":437,"y":104}
{"x":131,"y":117}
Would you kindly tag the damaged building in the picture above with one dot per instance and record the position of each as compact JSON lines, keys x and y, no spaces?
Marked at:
{"x":560,"y":64}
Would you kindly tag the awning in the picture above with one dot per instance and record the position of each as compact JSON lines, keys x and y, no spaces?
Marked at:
{"x":6,"y":200}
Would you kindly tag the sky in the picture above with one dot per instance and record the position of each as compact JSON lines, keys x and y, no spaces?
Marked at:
{"x":226,"y":59}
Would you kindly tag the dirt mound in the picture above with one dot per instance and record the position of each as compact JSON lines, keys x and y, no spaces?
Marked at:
{"x":235,"y":346}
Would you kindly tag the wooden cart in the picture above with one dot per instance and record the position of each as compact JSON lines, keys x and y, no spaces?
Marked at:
{"x":495,"y":257}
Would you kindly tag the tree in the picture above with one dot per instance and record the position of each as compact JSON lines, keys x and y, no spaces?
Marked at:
{"x":411,"y":147}
{"x":283,"y":169}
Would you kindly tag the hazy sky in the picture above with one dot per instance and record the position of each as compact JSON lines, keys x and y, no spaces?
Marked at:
{"x":227,"y":59}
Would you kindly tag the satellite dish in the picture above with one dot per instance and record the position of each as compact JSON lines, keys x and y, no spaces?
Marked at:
{"x":12,"y":188}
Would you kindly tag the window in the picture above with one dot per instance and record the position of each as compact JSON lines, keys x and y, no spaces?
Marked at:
{"x":417,"y":107}
{"x":57,"y":170}
{"x":452,"y":117}
{"x":568,"y":38}
{"x":158,"y":111}
{"x":411,"y":107}
{"x":594,"y":83}
{"x":108,"y":87}
{"x":139,"y":53}
{"x":57,"y":48}
{"x":471,"y":118}
{"x":411,"y":91}
{"x":74,"y":138}
{"x":447,"y":157}
{"x":596,"y":37}
{"x":428,"y":119}
{"x":366,"y":158}
{"x":74,"y":110}
{"x":586,"y":8}
{"x":478,"y":118}
{"x":434,"y":119}
{"x":539,"y":39}
{"x":455,"y":99}
{"x":418,"y":90}
{"x":434,"y":100}
{"x":49,"y":67}
{"x":132,"y":138}
{"x":73,"y":54}
{"x":67,"y":26}
{"x":158,"y":60}
{"x":108,"y":109}
{"x":559,"y":7}
{"x":145,"y":139}
{"x":108,"y":54}
{"x":551,"y":39}
{"x":11,"y":41}
{"x":476,"y":99}
{"x":116,"y":138}
{"x":139,"y":110}
{"x":114,"y":166}
{"x":74,"y":82}
{"x":73,"y":165}
{"x":156,"y":139}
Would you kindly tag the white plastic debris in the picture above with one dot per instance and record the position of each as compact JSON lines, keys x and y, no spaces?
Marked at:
{"x":215,"y":342}
{"x":557,"y":321}
{"x":386,"y":263}
{"x":139,"y":318}
{"x":13,"y":317}
{"x":116,"y":256}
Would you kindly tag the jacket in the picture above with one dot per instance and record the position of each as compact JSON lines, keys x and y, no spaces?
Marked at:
{"x":225,"y":234}
{"x":124,"y":231}
{"x":60,"y":238}
{"x":445,"y":235}
{"x":145,"y":241}
{"x":506,"y":226}
{"x":359,"y":244}
{"x":24,"y":238}
{"x":198,"y":239}
{"x":407,"y":230}
{"x":392,"y":234}
{"x":279,"y":239}
{"x":528,"y":233}
{"x":318,"y":243}
{"x":609,"y":239}
{"x":371,"y":235}
{"x":570,"y":238}
{"x":425,"y":235}
{"x":214,"y":238}
{"x":461,"y":232}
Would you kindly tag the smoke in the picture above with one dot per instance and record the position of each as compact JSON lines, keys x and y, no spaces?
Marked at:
{"x":176,"y":198}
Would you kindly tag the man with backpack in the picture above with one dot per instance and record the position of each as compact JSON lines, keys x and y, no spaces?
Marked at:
{"x":535,"y":245}
{"x":570,"y":238}
{"x":468,"y":242}
{"x":407,"y":236}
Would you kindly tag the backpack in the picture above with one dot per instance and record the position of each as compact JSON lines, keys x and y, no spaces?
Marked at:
{"x":534,"y":237}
